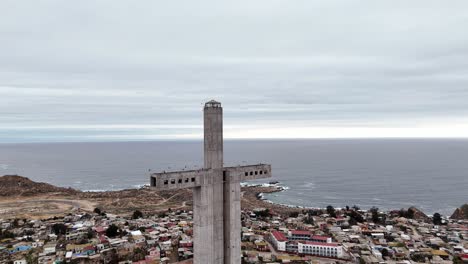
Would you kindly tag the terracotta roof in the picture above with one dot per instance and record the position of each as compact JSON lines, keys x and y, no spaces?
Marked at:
{"x":279,"y":236}
{"x":300,"y":232}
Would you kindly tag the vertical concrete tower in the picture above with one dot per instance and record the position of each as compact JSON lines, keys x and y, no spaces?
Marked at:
{"x":216,"y":194}
{"x":213,"y":144}
{"x":208,"y":199}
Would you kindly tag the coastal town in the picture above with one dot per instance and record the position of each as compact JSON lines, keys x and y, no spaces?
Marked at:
{"x":269,"y":235}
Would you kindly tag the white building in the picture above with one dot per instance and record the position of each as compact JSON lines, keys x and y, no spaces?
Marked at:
{"x":278,"y":240}
{"x":332,"y":250}
{"x":49,"y":249}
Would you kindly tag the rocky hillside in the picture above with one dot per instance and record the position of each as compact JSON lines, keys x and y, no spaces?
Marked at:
{"x":419,"y":215}
{"x":14,"y":185}
{"x":460,"y":213}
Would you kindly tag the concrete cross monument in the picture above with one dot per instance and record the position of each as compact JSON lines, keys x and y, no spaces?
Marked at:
{"x":216,"y":195}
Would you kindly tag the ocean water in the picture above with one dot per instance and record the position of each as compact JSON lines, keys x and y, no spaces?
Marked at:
{"x":431,"y":174}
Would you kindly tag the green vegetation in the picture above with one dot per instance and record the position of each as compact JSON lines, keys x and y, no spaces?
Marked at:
{"x":264,"y":213}
{"x":294,"y":214}
{"x":112,"y":231}
{"x":385,"y":252}
{"x":59,"y":229}
{"x":407,"y":213}
{"x":137,"y":214}
{"x":437,"y":219}
{"x":354,"y":217}
{"x":4,"y":234}
{"x":331,"y":211}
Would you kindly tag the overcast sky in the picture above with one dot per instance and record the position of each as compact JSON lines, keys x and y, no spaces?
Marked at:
{"x":141,"y":70}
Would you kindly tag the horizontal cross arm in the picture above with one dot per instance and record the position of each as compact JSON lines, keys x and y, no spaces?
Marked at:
{"x":177,"y":179}
{"x":250,"y":172}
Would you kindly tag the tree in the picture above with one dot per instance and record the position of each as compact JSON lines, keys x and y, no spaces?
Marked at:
{"x":137,"y":214}
{"x":418,"y":257}
{"x":457,"y":260}
{"x":355,"y":217}
{"x":59,"y":229}
{"x":162,"y":215}
{"x":31,"y":258}
{"x":375,"y":214}
{"x":89,"y":233}
{"x":410,"y":214}
{"x":294,"y":214}
{"x":97,"y":211}
{"x":138,"y":254}
{"x":6,"y":234}
{"x":406,"y":213}
{"x":331,"y":211}
{"x":437,"y":219}
{"x":112,"y":231}
{"x":309,"y":219}
{"x":263,"y":213}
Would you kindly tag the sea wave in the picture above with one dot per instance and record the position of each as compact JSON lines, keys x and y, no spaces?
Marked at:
{"x":97,"y":190}
{"x":139,"y":186}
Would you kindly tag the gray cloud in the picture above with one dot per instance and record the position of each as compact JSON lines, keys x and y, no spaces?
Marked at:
{"x":124,"y":70}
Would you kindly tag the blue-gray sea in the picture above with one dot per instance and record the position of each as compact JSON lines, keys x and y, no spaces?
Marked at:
{"x":431,"y":174}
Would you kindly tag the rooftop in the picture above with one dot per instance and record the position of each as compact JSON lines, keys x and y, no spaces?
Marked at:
{"x":212,"y":103}
{"x":300,"y":232}
{"x":279,"y":236}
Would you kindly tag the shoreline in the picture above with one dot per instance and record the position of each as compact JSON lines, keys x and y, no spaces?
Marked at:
{"x":281,"y":188}
{"x":17,"y":190}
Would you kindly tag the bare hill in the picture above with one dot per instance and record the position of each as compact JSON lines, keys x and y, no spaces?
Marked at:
{"x":14,"y":185}
{"x":460,"y":213}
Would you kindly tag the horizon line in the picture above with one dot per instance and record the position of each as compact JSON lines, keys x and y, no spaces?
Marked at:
{"x":230,"y":139}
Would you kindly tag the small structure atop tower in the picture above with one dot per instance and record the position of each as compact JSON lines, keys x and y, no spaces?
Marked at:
{"x":213,"y":104}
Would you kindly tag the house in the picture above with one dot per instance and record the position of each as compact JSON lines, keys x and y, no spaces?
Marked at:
{"x":299,"y":235}
{"x":154,"y":254}
{"x":333,"y":250}
{"x":321,"y":239}
{"x":185,"y":244}
{"x":138,"y":239}
{"x":278,"y":240}
{"x":49,"y":248}
{"x":261,"y":245}
{"x":20,"y":248}
{"x":78,"y":248}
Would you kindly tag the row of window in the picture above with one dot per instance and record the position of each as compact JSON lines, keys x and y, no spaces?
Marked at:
{"x":187,"y":180}
{"x":314,"y":252}
{"x":173,"y":181}
{"x":321,"y":249}
{"x":255,"y":173}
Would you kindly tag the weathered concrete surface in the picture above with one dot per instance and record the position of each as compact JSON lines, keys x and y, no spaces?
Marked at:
{"x":177,"y":179}
{"x":216,"y":195}
{"x":213,"y":156}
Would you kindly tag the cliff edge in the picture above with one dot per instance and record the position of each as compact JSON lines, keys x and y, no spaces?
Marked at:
{"x":14,"y":185}
{"x":460,"y":213}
